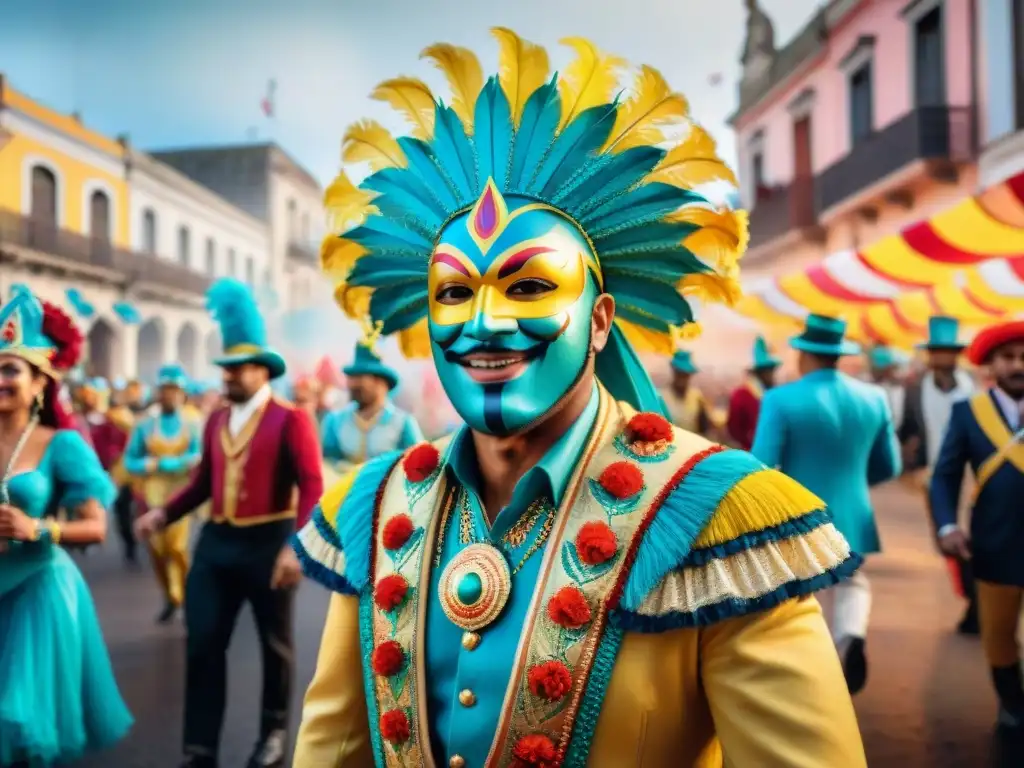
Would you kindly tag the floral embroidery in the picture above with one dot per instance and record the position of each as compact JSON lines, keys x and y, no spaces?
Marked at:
{"x":568,"y":608}
{"x":420,"y":466}
{"x":619,"y":487}
{"x":391,"y":592}
{"x":536,"y":749}
{"x":549,"y":680}
{"x":648,"y":428}
{"x":394,"y":726}
{"x":596,"y":543}
{"x":388,"y":658}
{"x":397,"y":531}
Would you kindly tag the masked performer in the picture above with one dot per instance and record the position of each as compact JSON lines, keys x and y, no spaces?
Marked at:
{"x":745,"y":401}
{"x":58,"y":696}
{"x":686,"y":405}
{"x":371,"y":424}
{"x":260,"y":467}
{"x":569,"y":580}
{"x":162,"y":452}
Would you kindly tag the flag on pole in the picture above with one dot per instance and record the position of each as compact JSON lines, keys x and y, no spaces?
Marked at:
{"x":268,"y":100}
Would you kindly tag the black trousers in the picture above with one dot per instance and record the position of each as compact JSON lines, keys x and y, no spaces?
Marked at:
{"x":124,"y":504}
{"x":233,"y":566}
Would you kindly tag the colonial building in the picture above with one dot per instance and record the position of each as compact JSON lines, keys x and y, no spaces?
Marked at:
{"x":1001,"y":83}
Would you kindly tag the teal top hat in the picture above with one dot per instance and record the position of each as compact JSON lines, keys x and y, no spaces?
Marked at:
{"x":21,"y":330}
{"x":172,"y":375}
{"x":882,"y":357}
{"x":367,"y":363}
{"x":682,"y":361}
{"x":823,"y":335}
{"x":763,"y":357}
{"x":242,"y":328}
{"x":943,"y":333}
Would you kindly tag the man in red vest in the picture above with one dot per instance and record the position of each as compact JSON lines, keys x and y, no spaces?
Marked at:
{"x":745,"y":401}
{"x":260,"y":468}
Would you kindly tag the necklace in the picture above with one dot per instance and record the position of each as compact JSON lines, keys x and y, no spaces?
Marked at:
{"x":477,"y":582}
{"x":5,"y":497}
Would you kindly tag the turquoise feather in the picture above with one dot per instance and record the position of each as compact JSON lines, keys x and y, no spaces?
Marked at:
{"x":424,"y":165}
{"x":537,"y":127}
{"x":379,"y":232}
{"x":404,"y":194}
{"x":234,"y":307}
{"x":574,"y":147}
{"x":605,"y":179}
{"x":638,"y":208}
{"x":656,"y":297}
{"x":624,"y":376}
{"x":454,"y":154}
{"x":632,"y":314}
{"x":403,"y":311}
{"x":666,"y":264}
{"x":492,"y":134}
{"x":627,"y":243}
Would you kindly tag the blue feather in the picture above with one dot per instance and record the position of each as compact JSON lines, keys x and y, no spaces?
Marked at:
{"x":492,"y":135}
{"x":573,"y":148}
{"x":638,"y":208}
{"x":536,"y":132}
{"x":624,"y":375}
{"x":378,"y":232}
{"x":634,"y":315}
{"x":235,"y":309}
{"x":399,"y":306}
{"x":647,"y":239}
{"x":454,"y":153}
{"x":382,"y":278}
{"x":605,"y":179}
{"x":655,"y":297}
{"x":424,"y":165}
{"x":665,"y":264}
{"x":402,"y":195}
{"x":376,"y":262}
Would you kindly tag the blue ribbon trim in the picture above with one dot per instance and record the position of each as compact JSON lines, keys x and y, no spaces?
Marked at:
{"x":319,"y":573}
{"x":798,"y":526}
{"x":597,"y":687}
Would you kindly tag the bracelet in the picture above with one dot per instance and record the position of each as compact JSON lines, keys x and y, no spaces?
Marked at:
{"x":53,"y":527}
{"x":47,"y":530}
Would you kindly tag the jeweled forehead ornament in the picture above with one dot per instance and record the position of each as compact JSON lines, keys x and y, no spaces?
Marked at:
{"x":625,"y":173}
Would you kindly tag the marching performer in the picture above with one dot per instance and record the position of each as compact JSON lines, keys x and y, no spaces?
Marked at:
{"x":58,"y":696}
{"x":161,"y":453}
{"x":568,"y":580}
{"x":885,"y":364}
{"x":745,"y":401}
{"x":835,"y":435}
{"x":370,"y":424}
{"x":260,"y":468}
{"x":985,"y":432}
{"x":686,"y":405}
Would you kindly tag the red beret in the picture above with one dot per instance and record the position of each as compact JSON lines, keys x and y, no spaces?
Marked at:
{"x":994,"y":336}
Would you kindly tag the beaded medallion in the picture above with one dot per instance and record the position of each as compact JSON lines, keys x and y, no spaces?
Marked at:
{"x":475,"y":586}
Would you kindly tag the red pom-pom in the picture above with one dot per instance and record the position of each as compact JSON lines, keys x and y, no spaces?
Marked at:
{"x":390,"y":592}
{"x":397,"y":531}
{"x":421,"y":462}
{"x":388,"y":658}
{"x":64,"y":334}
{"x":549,"y":680}
{"x":596,"y":543}
{"x":568,"y":608}
{"x":394,"y":726}
{"x":649,"y":428}
{"x":622,"y":479}
{"x":536,"y":749}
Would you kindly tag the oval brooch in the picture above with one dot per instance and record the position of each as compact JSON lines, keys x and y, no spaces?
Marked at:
{"x":475,"y":586}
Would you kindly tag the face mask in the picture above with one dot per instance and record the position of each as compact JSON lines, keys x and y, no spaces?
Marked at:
{"x":511,"y":294}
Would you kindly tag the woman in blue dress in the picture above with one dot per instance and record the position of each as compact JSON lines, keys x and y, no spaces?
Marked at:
{"x":58,"y":696}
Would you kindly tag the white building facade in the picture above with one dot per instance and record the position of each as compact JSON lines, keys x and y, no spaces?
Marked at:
{"x":1000,"y":25}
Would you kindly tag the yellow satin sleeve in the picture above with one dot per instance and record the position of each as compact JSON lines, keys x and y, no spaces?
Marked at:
{"x":335,"y":727}
{"x":776,"y":691}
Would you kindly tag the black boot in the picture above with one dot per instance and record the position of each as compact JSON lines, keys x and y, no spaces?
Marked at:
{"x":855,"y":665}
{"x":167,"y":614}
{"x":1009,"y":685}
{"x":270,"y":751}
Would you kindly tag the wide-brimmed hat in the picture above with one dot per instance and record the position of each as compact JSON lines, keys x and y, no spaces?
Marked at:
{"x":367,"y":362}
{"x":823,"y":335}
{"x":762,"y":356}
{"x":682,"y":361}
{"x":242,"y":328}
{"x":943,"y":333}
{"x":988,"y":340}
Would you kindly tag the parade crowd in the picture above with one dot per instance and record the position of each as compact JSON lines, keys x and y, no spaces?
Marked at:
{"x":586,"y":571}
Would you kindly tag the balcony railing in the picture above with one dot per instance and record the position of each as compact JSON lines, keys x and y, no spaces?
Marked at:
{"x":927,"y":133}
{"x":303,"y":252}
{"x":47,"y":238}
{"x":779,"y":210}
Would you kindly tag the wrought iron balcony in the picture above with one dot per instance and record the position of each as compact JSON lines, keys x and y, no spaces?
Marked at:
{"x":942,"y":136}
{"x":782,"y":209}
{"x":46,"y":238}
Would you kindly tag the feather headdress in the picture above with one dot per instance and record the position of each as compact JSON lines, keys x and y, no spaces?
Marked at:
{"x":624,"y":170}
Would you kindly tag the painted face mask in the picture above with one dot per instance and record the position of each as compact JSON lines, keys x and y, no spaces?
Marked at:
{"x":511,"y":293}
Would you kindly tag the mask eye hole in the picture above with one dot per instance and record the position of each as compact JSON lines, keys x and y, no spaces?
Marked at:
{"x":453,"y":293}
{"x":529,"y":289}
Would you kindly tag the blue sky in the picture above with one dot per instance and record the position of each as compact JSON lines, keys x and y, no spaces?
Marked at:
{"x":189,"y":72}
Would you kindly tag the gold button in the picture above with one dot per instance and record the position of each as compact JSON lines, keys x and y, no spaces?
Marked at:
{"x":470,"y":640}
{"x":467,"y":698}
{"x":456,"y":761}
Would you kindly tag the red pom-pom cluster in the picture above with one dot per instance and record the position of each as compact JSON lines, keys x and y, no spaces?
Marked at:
{"x":397,"y":531}
{"x":390,"y":592}
{"x":596,"y":543}
{"x":622,"y":479}
{"x":549,"y":680}
{"x":649,"y":428}
{"x":535,"y":749}
{"x":569,"y":608}
{"x":64,"y":334}
{"x":394,"y":726}
{"x":420,"y":462}
{"x":388,"y":658}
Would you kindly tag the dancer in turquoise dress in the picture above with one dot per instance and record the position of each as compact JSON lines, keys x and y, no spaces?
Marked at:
{"x":58,"y":696}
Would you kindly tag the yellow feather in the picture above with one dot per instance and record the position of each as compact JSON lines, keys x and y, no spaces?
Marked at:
{"x":590,"y":81}
{"x":523,"y":67}
{"x":712,"y":287}
{"x":693,"y":162}
{"x":465,"y":77}
{"x":413,"y":99}
{"x":415,"y":341}
{"x":689,"y":331}
{"x":369,"y":141}
{"x":647,"y":340}
{"x":652,"y":105}
{"x":354,"y":300}
{"x":347,"y":205}
{"x":338,"y":255}
{"x":722,"y":236}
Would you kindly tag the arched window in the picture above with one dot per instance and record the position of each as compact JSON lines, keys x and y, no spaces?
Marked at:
{"x":44,"y":196}
{"x":99,"y":216}
{"x":149,"y":231}
{"x":232,"y":266}
{"x":184,"y":256}
{"x":211,"y":257}
{"x":250,"y":271}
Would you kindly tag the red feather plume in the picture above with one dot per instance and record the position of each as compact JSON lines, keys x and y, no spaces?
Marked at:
{"x":64,"y":334}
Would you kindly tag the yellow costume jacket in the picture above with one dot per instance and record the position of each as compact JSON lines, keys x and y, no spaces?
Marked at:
{"x":703,"y":645}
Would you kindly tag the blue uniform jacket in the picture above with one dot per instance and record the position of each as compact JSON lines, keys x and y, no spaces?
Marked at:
{"x":834,"y":435}
{"x":997,"y":525}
